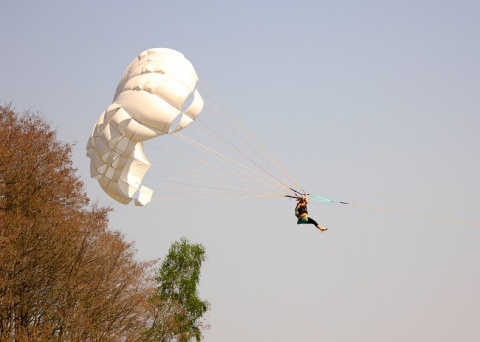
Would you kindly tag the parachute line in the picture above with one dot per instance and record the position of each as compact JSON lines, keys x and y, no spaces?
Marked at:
{"x":240,"y":167}
{"x":224,"y":160}
{"x":246,"y":136}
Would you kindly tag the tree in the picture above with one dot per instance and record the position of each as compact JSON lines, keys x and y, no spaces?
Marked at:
{"x":178,"y":310}
{"x":63,"y":274}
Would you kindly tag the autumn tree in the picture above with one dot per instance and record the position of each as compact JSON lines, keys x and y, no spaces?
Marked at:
{"x":64,"y":276}
{"x":178,"y":309}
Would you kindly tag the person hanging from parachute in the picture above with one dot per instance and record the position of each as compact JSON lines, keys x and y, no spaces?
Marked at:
{"x":301,"y":213}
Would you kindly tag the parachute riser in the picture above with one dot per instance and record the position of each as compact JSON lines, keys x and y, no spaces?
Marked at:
{"x":299,"y":195}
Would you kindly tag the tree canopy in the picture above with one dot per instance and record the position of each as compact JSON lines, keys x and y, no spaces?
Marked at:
{"x":63,"y":274}
{"x":178,"y":309}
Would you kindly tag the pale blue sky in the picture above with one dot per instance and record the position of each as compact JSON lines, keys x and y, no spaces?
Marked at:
{"x":373,"y":102}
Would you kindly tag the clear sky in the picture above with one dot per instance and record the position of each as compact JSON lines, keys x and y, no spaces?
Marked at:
{"x":371,"y":102}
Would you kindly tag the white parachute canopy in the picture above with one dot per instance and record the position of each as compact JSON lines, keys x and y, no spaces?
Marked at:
{"x":216,"y":157}
{"x":156,"y":96}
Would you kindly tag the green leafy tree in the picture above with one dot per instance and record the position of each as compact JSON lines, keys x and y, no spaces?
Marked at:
{"x":178,"y":309}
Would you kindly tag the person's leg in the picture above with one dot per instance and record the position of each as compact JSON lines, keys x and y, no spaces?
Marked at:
{"x":312,"y":221}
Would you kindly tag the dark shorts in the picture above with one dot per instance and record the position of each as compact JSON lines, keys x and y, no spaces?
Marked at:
{"x":306,"y":220}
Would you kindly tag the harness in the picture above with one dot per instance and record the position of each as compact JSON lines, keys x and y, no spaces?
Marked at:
{"x":301,"y":211}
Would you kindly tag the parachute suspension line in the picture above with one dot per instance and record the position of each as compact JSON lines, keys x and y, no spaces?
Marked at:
{"x":197,"y":172}
{"x":249,"y":140}
{"x":242,"y":153}
{"x":235,"y":193}
{"x":245,"y":170}
{"x":179,"y":198}
{"x":189,"y":184}
{"x":182,"y":184}
{"x":255,"y":146}
{"x":186,"y":187}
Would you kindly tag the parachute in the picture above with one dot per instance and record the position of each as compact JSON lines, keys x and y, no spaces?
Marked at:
{"x":215,"y":157}
{"x":156,"y":96}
